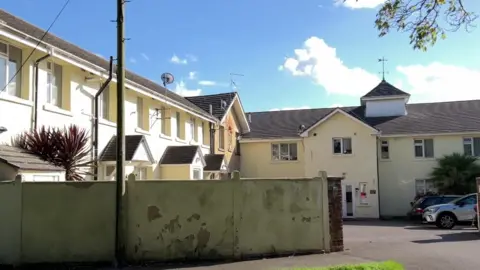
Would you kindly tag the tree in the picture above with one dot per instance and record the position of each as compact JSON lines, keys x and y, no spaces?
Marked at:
{"x":456,"y":174}
{"x":68,"y":148}
{"x":424,"y":20}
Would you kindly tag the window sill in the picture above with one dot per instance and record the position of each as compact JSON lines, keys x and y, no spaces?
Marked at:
{"x":166,"y":137}
{"x":424,"y":159}
{"x":343,"y":155}
{"x":205,"y":146}
{"x":55,"y":109}
{"x":221,"y":149}
{"x":142,"y":131}
{"x":385,"y":160}
{"x":284,"y":161}
{"x":180,"y":140}
{"x":364,"y":205}
{"x":17,"y":100}
{"x":107,"y":123}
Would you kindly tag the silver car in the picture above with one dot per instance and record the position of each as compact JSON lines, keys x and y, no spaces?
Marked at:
{"x":446,"y":216}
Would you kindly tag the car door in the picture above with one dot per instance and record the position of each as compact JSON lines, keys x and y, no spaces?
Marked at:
{"x":466,"y":212}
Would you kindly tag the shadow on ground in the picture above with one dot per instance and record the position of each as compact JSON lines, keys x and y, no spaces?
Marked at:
{"x":455,"y":237}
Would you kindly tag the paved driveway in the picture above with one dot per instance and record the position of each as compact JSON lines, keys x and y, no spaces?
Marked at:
{"x":417,"y":247}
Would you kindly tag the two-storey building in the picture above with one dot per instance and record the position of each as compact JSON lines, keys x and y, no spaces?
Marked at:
{"x":385,"y":148}
{"x":52,"y":82}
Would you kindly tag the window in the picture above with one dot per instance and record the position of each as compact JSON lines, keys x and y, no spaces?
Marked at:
{"x":197,"y":174}
{"x":109,"y":172}
{"x":424,"y":186}
{"x":45,"y":178}
{"x":163,"y":120}
{"x":201,"y":139}
{"x":468,"y":200}
{"x":140,"y":112}
{"x":342,"y":146}
{"x":471,"y":146}
{"x":54,"y":84}
{"x":221,"y":137}
{"x":237,"y":148}
{"x":177,"y":115}
{"x":141,"y":173}
{"x":194,"y":128}
{"x":423,"y":148}
{"x":104,"y":107}
{"x":10,"y":62}
{"x":190,"y":130}
{"x":384,"y":149}
{"x":284,"y":151}
{"x":363,"y":193}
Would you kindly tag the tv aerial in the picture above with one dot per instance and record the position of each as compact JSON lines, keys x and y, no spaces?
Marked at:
{"x":167,"y":78}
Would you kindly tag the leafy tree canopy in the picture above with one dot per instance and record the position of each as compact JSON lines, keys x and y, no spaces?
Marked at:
{"x":424,"y":20}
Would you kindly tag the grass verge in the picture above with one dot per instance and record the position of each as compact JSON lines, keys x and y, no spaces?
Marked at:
{"x":388,"y":265}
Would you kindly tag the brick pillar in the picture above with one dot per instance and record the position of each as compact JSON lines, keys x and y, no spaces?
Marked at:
{"x":335,"y":213}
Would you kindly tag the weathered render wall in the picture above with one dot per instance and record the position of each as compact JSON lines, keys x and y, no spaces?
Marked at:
{"x":165,"y":220}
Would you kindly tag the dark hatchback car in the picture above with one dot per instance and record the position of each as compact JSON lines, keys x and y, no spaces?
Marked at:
{"x":418,"y":206}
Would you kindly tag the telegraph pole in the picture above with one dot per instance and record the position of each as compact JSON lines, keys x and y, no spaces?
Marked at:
{"x":120,"y":159}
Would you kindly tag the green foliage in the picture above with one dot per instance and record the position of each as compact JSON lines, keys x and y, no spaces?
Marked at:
{"x":67,"y":148}
{"x":424,"y":20}
{"x":456,"y":173}
{"x":388,"y":265}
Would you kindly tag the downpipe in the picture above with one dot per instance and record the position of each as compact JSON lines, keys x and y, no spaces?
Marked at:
{"x":35,"y":94}
{"x":95,"y":117}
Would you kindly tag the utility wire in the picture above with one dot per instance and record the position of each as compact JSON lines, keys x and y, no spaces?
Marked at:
{"x":36,"y":46}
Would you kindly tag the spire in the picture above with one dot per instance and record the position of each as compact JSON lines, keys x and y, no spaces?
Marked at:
{"x":383,"y":60}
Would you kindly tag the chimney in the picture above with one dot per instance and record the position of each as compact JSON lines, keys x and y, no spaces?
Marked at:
{"x":249,"y":117}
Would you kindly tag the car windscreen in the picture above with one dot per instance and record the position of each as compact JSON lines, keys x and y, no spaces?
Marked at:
{"x":431,"y":201}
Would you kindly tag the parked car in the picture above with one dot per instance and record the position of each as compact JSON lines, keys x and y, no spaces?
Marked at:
{"x":420,"y":204}
{"x":446,"y":216}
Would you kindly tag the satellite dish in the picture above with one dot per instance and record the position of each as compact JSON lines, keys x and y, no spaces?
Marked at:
{"x":3,"y":129}
{"x":167,"y":78}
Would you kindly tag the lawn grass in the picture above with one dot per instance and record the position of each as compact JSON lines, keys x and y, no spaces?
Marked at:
{"x":388,"y":265}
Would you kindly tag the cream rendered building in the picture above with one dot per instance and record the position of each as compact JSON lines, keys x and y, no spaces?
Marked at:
{"x":159,"y":123}
{"x":385,"y":148}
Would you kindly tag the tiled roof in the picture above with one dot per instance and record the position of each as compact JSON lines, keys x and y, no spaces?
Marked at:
{"x":23,"y":160}
{"x":214,"y":162}
{"x":215,"y":100}
{"x":384,"y":89}
{"x":53,"y":40}
{"x":179,"y":154}
{"x":132,"y":142}
{"x":421,"y":118}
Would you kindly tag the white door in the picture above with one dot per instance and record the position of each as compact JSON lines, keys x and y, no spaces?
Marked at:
{"x":348,"y":201}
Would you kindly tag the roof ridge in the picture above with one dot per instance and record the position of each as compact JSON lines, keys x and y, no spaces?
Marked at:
{"x":224,"y":93}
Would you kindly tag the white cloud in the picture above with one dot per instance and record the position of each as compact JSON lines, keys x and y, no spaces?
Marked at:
{"x":133,"y":60}
{"x":177,"y":60}
{"x":425,"y":83}
{"x":291,"y":108}
{"x":320,"y":62}
{"x":181,"y":89}
{"x":192,"y":75}
{"x":356,"y":4}
{"x":440,"y":82}
{"x":207,"y":83}
{"x":145,"y":56}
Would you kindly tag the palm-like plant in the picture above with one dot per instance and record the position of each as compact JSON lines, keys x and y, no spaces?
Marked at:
{"x":67,"y":148}
{"x":456,"y":173}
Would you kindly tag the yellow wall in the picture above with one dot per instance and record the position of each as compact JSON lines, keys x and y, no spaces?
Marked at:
{"x":230,"y":141}
{"x":175,"y":172}
{"x":397,"y":175}
{"x":165,"y":219}
{"x":256,"y":161}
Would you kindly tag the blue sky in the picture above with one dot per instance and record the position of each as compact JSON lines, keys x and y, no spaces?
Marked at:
{"x":293,"y":54}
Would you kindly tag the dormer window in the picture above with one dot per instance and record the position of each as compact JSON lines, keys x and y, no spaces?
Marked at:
{"x":385,"y":100}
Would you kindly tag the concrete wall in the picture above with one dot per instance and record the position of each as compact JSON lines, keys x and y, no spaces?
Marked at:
{"x":165,"y":220}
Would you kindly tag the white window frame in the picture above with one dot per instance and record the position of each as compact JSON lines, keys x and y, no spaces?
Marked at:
{"x":140,"y":113}
{"x":194,"y":128}
{"x":421,"y":142}
{"x":104,"y":108}
{"x":342,"y":143}
{"x":424,"y":185}
{"x":59,"y":85}
{"x":469,"y":141}
{"x":141,"y":172}
{"x":221,"y":137}
{"x":384,"y":143}
{"x":6,"y":56}
{"x":190,"y":135}
{"x":54,"y":178}
{"x":163,"y":121}
{"x":200,"y":173}
{"x":112,"y":174}
{"x":279,"y":156}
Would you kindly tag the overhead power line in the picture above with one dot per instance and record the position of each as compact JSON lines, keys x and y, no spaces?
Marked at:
{"x":38,"y":43}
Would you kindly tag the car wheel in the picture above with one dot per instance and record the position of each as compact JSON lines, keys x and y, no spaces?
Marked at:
{"x":446,"y":221}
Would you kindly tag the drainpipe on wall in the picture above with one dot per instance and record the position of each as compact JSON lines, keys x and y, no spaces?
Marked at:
{"x":35,"y":95}
{"x":378,"y":178}
{"x":212,"y":133}
{"x":95,"y":117}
